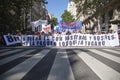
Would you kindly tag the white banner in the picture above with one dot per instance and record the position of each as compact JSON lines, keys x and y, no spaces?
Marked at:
{"x":46,"y":28}
{"x":87,"y":40}
{"x":38,"y":22}
{"x":76,"y":39}
{"x":37,"y":25}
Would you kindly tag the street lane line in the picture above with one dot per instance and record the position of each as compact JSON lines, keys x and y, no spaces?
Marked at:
{"x":108,"y":56}
{"x":11,"y":58}
{"x":18,"y":72}
{"x":102,"y":70}
{"x":61,"y":69}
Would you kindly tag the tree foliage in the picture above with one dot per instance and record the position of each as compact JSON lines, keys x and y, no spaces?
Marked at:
{"x":76,"y":1}
{"x":53,"y":22}
{"x":11,"y":13}
{"x":67,"y":17}
{"x":90,"y":5}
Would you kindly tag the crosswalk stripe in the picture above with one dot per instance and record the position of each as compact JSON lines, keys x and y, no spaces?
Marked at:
{"x":4,"y":50}
{"x":118,"y":49}
{"x":111,"y":57}
{"x":102,"y":70}
{"x":20,"y":70}
{"x":41,"y":70}
{"x":61,"y":68}
{"x":114,"y":65}
{"x":80,"y":69}
{"x":11,"y":64}
{"x":8,"y":59}
{"x":109,"y":50}
{"x":58,"y":71}
{"x":9,"y":52}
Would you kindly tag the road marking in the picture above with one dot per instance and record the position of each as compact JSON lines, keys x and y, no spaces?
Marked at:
{"x":18,"y":72}
{"x":113,"y":51}
{"x":11,"y":58}
{"x":111,"y":57}
{"x":4,"y":50}
{"x":61,"y":69}
{"x":118,"y":49}
{"x":9,"y":52}
{"x":102,"y":70}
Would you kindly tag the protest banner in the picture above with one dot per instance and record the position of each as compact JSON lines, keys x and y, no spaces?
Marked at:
{"x":75,"y":39}
{"x":12,"y":39}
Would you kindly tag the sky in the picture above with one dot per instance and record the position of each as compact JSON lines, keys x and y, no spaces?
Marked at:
{"x":57,"y":7}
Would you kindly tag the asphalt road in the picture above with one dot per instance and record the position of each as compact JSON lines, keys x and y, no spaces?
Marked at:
{"x":71,"y":63}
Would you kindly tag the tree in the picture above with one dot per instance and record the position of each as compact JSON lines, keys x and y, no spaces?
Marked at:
{"x":90,"y":5}
{"x":10,"y":14}
{"x":10,"y":10}
{"x":76,"y":1}
{"x":67,"y":17}
{"x":53,"y":22}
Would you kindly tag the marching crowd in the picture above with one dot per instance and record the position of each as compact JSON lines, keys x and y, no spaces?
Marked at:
{"x":65,"y":32}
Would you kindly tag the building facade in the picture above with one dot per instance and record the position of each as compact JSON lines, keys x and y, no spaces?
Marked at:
{"x":107,"y":19}
{"x":36,"y":12}
{"x":72,"y":8}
